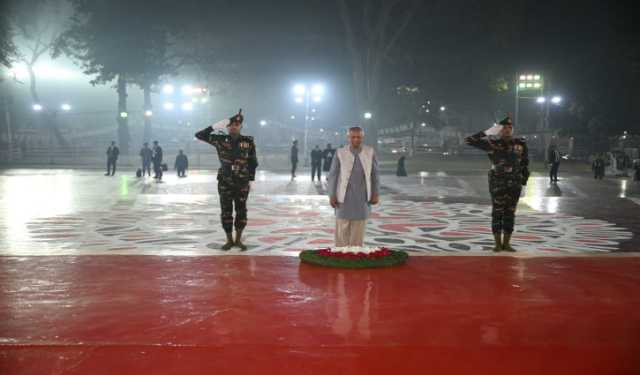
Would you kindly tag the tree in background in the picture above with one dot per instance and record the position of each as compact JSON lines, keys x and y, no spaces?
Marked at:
{"x":38,"y":24}
{"x":372,"y":29}
{"x":7,"y":48}
{"x":123,"y":41}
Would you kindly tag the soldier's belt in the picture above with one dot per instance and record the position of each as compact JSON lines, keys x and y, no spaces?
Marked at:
{"x":501,"y":169}
{"x":229,"y":170}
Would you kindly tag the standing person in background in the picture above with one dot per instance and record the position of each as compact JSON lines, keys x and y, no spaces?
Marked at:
{"x":327,"y":154}
{"x":146,"y":154}
{"x":294,"y":158}
{"x":554,"y":161}
{"x":598,"y":167}
{"x":181,"y":164}
{"x":401,"y":170}
{"x":157,"y":161}
{"x":316,"y":163}
{"x":112,"y":158}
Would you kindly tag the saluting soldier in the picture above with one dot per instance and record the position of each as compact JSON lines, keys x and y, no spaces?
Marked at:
{"x":238,"y":163}
{"x":509,"y":172}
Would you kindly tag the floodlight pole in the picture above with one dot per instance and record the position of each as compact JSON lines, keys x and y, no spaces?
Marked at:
{"x":517,"y":101}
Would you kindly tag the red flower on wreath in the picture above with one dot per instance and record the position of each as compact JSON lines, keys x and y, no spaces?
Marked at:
{"x":380,"y":253}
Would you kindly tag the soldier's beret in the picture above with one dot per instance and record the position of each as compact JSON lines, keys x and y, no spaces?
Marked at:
{"x":237,"y":118}
{"x":506,"y":121}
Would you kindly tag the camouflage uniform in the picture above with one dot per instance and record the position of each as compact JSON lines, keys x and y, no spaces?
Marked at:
{"x":510,"y":159}
{"x":238,"y":163}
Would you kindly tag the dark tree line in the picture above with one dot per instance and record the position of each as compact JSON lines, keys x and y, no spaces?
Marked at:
{"x":464,"y":53}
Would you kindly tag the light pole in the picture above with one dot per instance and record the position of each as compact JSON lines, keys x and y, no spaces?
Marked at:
{"x":304,"y":95}
{"x":7,"y":117}
{"x":527,"y":83}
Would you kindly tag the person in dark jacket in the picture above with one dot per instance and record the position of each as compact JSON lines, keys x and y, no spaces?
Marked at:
{"x":553,"y":158}
{"x":182,"y":164}
{"x":294,"y":159}
{"x":157,"y":160}
{"x":598,"y":166}
{"x":146,"y":154}
{"x":401,"y":171}
{"x":112,"y":158}
{"x":316,"y":163}
{"x":327,"y":154}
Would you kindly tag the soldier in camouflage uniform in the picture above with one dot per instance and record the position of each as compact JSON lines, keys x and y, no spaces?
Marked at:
{"x":509,"y":172}
{"x":238,"y":163}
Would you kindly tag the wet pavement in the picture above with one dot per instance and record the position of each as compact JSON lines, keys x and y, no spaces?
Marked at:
{"x":64,"y":212}
{"x":248,"y":315}
{"x":103,"y":275}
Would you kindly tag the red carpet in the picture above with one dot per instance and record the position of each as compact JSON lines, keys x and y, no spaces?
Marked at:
{"x":249,"y":315}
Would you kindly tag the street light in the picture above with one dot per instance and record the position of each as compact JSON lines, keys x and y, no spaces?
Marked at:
{"x":148,"y":113}
{"x":443,"y":108}
{"x":167,"y":89}
{"x":528,"y":82}
{"x":368,"y":115}
{"x":65,"y":107}
{"x":124,"y":114}
{"x":263,"y":123}
{"x":186,"y":89}
{"x":299,"y":89}
{"x":556,"y":100}
{"x":318,"y":89}
{"x":37,"y":107}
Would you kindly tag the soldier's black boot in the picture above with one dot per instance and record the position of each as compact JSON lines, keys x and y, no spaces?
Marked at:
{"x":229,"y":243}
{"x":498,"y":239}
{"x":506,"y":246}
{"x":239,"y":243}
